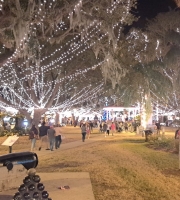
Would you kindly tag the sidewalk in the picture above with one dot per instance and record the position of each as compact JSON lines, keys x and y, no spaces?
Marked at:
{"x":70,"y":145}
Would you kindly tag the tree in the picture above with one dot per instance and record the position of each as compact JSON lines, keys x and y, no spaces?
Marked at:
{"x":151,"y":53}
{"x":52,"y":43}
{"x":165,"y":28}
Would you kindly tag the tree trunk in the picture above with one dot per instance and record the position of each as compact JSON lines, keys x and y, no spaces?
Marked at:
{"x":143,"y":116}
{"x":57,"y":119}
{"x":37,"y":116}
{"x":18,"y":123}
{"x":27,"y":115}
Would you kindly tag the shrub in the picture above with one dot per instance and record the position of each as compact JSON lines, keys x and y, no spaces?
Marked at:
{"x":13,"y":132}
{"x":162,"y":142}
{"x":6,"y":133}
{"x":20,"y":131}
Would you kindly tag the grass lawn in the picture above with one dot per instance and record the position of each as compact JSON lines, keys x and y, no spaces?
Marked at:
{"x":120,"y":166}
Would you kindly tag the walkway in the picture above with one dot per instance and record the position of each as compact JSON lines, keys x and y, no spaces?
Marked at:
{"x":71,"y":145}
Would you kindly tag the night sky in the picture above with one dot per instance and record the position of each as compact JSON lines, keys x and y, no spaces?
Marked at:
{"x":148,"y":9}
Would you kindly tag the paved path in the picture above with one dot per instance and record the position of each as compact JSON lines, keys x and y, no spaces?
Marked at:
{"x":71,"y":145}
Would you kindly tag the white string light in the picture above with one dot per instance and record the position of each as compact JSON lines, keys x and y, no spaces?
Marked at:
{"x":1,"y":5}
{"x":37,"y":71}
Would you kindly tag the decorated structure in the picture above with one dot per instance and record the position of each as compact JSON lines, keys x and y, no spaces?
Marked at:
{"x":120,"y":113}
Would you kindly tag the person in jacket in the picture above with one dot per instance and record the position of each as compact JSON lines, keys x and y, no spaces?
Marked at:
{"x":158,"y":127}
{"x":83,"y":131}
{"x":33,"y":136}
{"x":91,"y":126}
{"x":51,"y":137}
{"x":43,"y":135}
{"x":108,"y":129}
{"x":104,"y":128}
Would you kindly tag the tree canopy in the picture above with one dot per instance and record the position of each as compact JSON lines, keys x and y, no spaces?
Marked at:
{"x":53,"y":50}
{"x":68,"y":53}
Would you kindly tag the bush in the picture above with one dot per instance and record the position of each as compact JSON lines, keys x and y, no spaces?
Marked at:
{"x":6,"y":133}
{"x":20,"y":131}
{"x":162,"y":142}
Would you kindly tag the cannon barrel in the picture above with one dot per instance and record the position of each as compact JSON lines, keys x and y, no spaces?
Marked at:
{"x":27,"y":159}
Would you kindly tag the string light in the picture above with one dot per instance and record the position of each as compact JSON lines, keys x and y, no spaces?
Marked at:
{"x":55,"y":61}
{"x":36,"y":72}
{"x":1,"y":5}
{"x":29,"y":102}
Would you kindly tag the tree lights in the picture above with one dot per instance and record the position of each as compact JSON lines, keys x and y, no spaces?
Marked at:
{"x":51,"y":36}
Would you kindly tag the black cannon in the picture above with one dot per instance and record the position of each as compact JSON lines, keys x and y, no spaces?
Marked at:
{"x":27,"y":159}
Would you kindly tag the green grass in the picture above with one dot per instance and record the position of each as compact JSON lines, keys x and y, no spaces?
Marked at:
{"x":156,"y":157}
{"x":122,"y":168}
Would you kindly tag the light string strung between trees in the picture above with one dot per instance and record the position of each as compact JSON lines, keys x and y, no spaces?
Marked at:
{"x":37,"y":78}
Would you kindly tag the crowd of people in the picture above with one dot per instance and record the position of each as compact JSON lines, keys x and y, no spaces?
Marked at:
{"x":110,"y":127}
{"x":106,"y":127}
{"x":49,"y":135}
{"x":52,"y":138}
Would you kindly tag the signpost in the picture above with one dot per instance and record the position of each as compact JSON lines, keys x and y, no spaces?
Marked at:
{"x":10,"y":141}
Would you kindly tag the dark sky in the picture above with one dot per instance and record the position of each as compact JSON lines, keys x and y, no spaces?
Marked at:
{"x":148,"y":9}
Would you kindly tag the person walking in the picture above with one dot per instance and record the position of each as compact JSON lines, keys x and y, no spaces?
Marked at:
{"x":43,"y":135}
{"x":33,"y":136}
{"x":113,"y":128}
{"x":88,"y":131}
{"x":91,"y":126}
{"x":83,"y":131}
{"x":98,"y":124}
{"x":158,"y":127}
{"x":51,"y":137}
{"x":101,"y":127}
{"x":117,"y":126}
{"x":58,"y":138}
{"x":108,"y":129}
{"x":125,"y":126}
{"x":104,"y":128}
